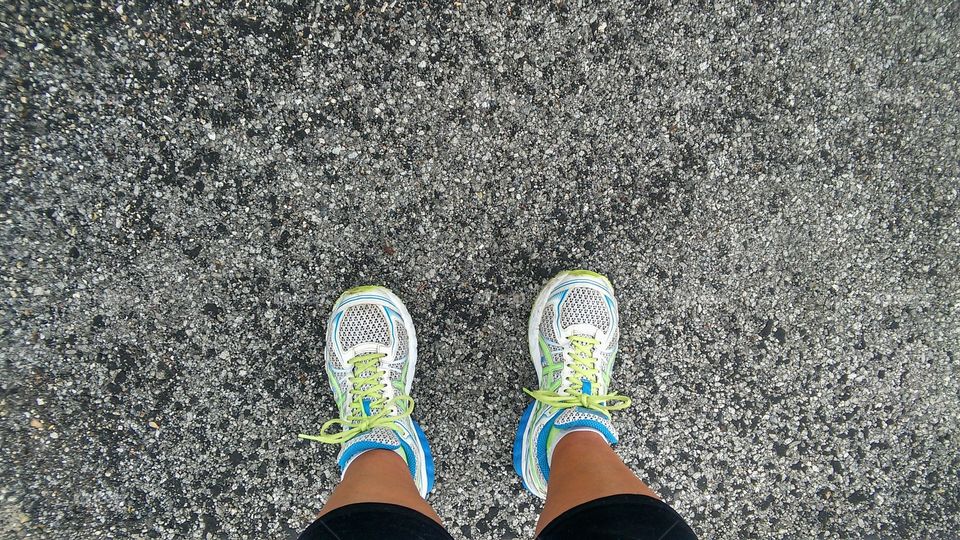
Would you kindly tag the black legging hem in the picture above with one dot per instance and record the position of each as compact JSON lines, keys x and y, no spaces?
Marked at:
{"x":618,"y":517}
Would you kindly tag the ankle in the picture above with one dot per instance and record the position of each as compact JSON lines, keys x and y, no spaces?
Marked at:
{"x":378,"y":476}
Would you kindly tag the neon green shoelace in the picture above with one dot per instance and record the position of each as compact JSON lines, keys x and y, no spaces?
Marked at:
{"x":584,"y":367}
{"x":367,"y":385}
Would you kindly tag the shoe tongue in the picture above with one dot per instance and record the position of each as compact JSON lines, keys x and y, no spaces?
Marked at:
{"x":582,"y":331}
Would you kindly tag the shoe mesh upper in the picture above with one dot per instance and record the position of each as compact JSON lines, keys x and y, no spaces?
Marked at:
{"x":401,"y":342}
{"x":549,"y":333}
{"x":364,"y":323}
{"x":614,"y":343}
{"x":546,"y":326}
{"x":584,"y":305}
{"x":382,"y":436}
{"x":581,"y":415}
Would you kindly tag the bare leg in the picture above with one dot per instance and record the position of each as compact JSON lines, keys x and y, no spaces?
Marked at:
{"x":379,"y":476}
{"x":585,"y":468}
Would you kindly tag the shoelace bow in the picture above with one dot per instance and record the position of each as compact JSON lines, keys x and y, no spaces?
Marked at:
{"x":367,"y":384}
{"x":584,"y":366}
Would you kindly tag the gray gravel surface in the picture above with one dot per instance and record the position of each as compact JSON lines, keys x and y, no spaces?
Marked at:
{"x":187,"y":187}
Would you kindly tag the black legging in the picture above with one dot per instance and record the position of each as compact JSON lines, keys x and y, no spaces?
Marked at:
{"x":619,"y":517}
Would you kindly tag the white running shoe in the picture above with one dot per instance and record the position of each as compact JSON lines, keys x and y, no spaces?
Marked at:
{"x":370,"y":356}
{"x":573,"y":334}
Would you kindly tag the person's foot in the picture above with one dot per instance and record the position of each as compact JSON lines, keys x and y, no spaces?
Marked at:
{"x":573,"y":334}
{"x":370,"y":356}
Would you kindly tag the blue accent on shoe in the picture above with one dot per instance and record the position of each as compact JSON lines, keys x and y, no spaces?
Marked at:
{"x":336,"y":328}
{"x":428,"y":455}
{"x":587,"y":386}
{"x":518,"y":443}
{"x":542,"y":458}
{"x":362,"y":447}
{"x":366,"y":406}
{"x":387,"y":311}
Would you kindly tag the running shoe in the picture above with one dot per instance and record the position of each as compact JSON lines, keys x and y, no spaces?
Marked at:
{"x":370,"y":356}
{"x":572,"y":335}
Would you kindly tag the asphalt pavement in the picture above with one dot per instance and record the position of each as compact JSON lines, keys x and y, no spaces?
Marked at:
{"x":773,"y":189}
